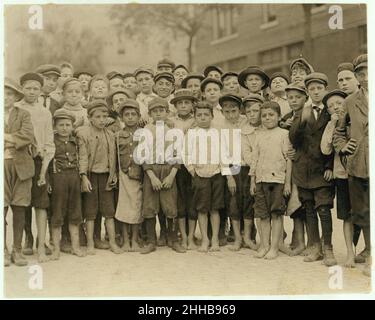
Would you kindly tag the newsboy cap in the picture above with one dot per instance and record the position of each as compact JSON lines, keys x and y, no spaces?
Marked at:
{"x":70,"y":81}
{"x":253,"y":70}
{"x":279,"y":75}
{"x":253,"y":97}
{"x":158,"y":102}
{"x":182,"y":94}
{"x":62,"y":113}
{"x":180,"y":66}
{"x":79,"y":73}
{"x":360,"y":62}
{"x":96,"y":104}
{"x":48,"y":69}
{"x":304,"y":62}
{"x":206,"y":81}
{"x":230,"y":97}
{"x":332,"y":93}
{"x":128,"y":93}
{"x":316,"y":77}
{"x":164,"y":75}
{"x":345,"y":66}
{"x":31,"y":76}
{"x":129,"y":103}
{"x":208,"y":69}
{"x":114,"y":74}
{"x":143,"y":70}
{"x":10,"y":83}
{"x":166,"y":63}
{"x":229,"y":74}
{"x":198,"y":76}
{"x":296,"y":86}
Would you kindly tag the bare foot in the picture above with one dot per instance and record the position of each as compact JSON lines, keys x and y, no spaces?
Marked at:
{"x":204,"y":246}
{"x":261,"y":252}
{"x":78,"y":252}
{"x":349,"y":263}
{"x":115,"y":248}
{"x":184,"y":243}
{"x":191,"y":245}
{"x":55,"y":255}
{"x":135,"y":247}
{"x":42,"y":258}
{"x":272,"y":254}
{"x":126,"y":247}
{"x":90,"y":250}
{"x":297,"y":250}
{"x":214,"y":246}
{"x":284,"y":249}
{"x":250,"y":244}
{"x":236,"y":246}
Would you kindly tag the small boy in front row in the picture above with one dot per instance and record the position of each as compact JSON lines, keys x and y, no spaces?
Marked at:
{"x":129,"y":203}
{"x":65,"y":183}
{"x":270,"y":172}
{"x":97,"y":167}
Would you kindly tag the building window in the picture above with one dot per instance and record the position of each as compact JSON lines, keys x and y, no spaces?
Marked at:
{"x":271,"y":57}
{"x":237,"y":64}
{"x":295,"y":50}
{"x":269,"y":13}
{"x":225,"y":19}
{"x":362,"y":39}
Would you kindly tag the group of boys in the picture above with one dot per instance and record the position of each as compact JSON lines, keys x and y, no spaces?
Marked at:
{"x":70,"y":141}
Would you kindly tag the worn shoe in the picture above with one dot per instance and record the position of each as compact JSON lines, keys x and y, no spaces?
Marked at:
{"x":178,"y":248}
{"x":148,"y":248}
{"x":315,"y":254}
{"x":162,"y":241}
{"x":6,"y":258}
{"x":28,"y":248}
{"x":65,"y":247}
{"x":100,"y":244}
{"x":361,"y":257}
{"x":223,"y":242}
{"x":329,"y":258}
{"x":18,"y":259}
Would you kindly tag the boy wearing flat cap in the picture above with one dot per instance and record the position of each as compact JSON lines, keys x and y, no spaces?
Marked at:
{"x":129,"y":203}
{"x":278,"y":82}
{"x":130,"y":83}
{"x":193,"y":83}
{"x":65,"y":183}
{"x":97,"y":168}
{"x":165,"y":65}
{"x":116,"y":81}
{"x":299,"y":69}
{"x":43,"y":152}
{"x":50,"y":74}
{"x":184,"y":102}
{"x":164,"y":87}
{"x":230,"y":83}
{"x":312,"y":170}
{"x":346,"y":80}
{"x":213,"y":72}
{"x":159,"y":186}
{"x":84,"y":77}
{"x":18,"y":168}
{"x":254,"y":79}
{"x":145,"y":80}
{"x":180,"y":72}
{"x":354,"y":150}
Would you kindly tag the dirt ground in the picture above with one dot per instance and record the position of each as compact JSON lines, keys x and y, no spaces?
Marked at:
{"x":166,"y":273}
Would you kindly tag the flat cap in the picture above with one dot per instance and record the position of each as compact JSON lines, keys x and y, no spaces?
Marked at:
{"x":180,"y":66}
{"x":31,"y":76}
{"x":98,"y":77}
{"x":62,"y":113}
{"x":316,"y":77}
{"x":130,"y":94}
{"x":128,"y":75}
{"x":229,"y":74}
{"x":70,"y":81}
{"x":48,"y":69}
{"x":79,"y":73}
{"x":206,"y":81}
{"x":129,"y":103}
{"x":210,"y":68}
{"x":332,"y":93}
{"x":166,"y":75}
{"x":230,"y":97}
{"x":345,"y":66}
{"x":182,"y":94}
{"x":96,"y":104}
{"x":304,"y":62}
{"x":143,"y":70}
{"x":279,"y":75}
{"x":114,"y":74}
{"x":253,"y":97}
{"x":10,"y":83}
{"x":296,"y":86}
{"x":253,"y":70}
{"x":158,"y":102}
{"x":166,"y":63}
{"x":204,"y":105}
{"x":191,"y":76}
{"x":360,"y":62}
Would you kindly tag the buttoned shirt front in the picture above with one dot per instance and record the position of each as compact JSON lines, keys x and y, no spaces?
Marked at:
{"x":66,"y":155}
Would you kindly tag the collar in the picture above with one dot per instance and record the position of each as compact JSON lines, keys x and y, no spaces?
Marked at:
{"x":184,"y":119}
{"x":70,"y":139}
{"x":320,"y":106}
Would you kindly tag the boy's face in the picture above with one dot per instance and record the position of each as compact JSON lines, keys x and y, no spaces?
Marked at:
{"x":180,"y":74}
{"x":31,"y":90}
{"x":50,"y":83}
{"x":278,"y":85}
{"x":296,"y":99}
{"x":66,"y":73}
{"x":99,"y":89}
{"x":117,"y":100}
{"x":298,"y":75}
{"x":203,"y":118}
{"x":335,"y":104}
{"x":158,"y":114}
{"x":145,"y":82}
{"x":194,"y":85}
{"x":85,"y":79}
{"x":231,"y":84}
{"x":231,"y":111}
{"x":347,"y":82}
{"x":362,"y":77}
{"x":130,"y":117}
{"x":130,"y":83}
{"x":270,"y":118}
{"x":64,"y":127}
{"x":184,"y":107}
{"x":316,"y":91}
{"x":98,"y":118}
{"x":254,"y":83}
{"x":163,"y":88}
{"x":212,"y":93}
{"x":252,"y":110}
{"x":116,"y":84}
{"x":10,"y":97}
{"x":73,"y":93}
{"x":214,"y":75}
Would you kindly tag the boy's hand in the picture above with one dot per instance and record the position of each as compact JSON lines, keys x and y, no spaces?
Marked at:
{"x":142,"y":122}
{"x":306,"y":112}
{"x":252,"y":186}
{"x":350,"y":147}
{"x":334,"y":117}
{"x":114,"y":182}
{"x":287,"y":190}
{"x":291,"y":153}
{"x":41,"y":181}
{"x":156,"y":184}
{"x":231,"y":185}
{"x":168,"y":181}
{"x":86,"y":184}
{"x":49,"y":189}
{"x":328,"y":175}
{"x":288,"y":122}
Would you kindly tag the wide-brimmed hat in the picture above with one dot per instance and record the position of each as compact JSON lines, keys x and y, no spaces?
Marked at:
{"x":10,"y":83}
{"x":253,"y":70}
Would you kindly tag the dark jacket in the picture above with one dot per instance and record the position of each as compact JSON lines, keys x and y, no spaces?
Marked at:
{"x":309,"y":163}
{"x":20,"y":127}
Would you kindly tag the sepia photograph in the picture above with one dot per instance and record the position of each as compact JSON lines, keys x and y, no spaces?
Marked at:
{"x":185,"y":150}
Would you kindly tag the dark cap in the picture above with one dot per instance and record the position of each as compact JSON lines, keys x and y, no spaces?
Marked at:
{"x":204,"y":105}
{"x":130,"y":95}
{"x":166,"y":63}
{"x":129,"y":103}
{"x":296,"y":86}
{"x":79,"y":73}
{"x":48,"y":69}
{"x":230,"y":97}
{"x":96,"y":104}
{"x":316,"y":77}
{"x":253,"y":97}
{"x":143,"y":70}
{"x":31,"y":76}
{"x":279,"y":75}
{"x":253,"y":70}
{"x":360,"y":62}
{"x":166,"y":75}
{"x":345,"y":66}
{"x":62,"y":113}
{"x":229,"y":74}
{"x":182,"y":94}
{"x":158,"y":102}
{"x":332,"y":93}
{"x":206,"y":81}
{"x":179,"y":66}
{"x":304,"y":62}
{"x":208,"y":69}
{"x":191,"y":76}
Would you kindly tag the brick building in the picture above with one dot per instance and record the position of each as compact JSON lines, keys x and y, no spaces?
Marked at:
{"x":271,"y":35}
